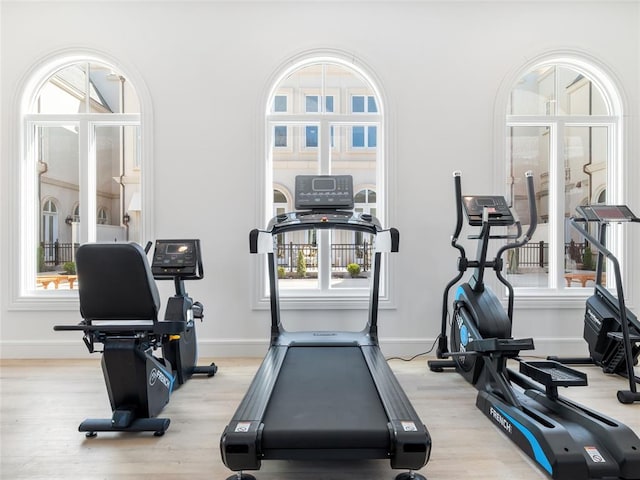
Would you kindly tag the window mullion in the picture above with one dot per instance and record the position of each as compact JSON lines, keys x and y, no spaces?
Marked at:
{"x":87,"y":176}
{"x":556,"y":207}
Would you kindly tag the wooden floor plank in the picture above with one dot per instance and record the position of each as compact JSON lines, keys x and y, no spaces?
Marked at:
{"x":42,"y":404}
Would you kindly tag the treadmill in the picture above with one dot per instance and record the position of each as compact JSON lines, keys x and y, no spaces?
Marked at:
{"x":325,"y":395}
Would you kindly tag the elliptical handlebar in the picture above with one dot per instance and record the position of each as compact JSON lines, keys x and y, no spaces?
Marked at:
{"x":533,"y":219}
{"x":459,"y":220}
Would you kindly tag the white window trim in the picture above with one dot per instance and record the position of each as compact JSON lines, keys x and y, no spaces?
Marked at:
{"x":386,"y":198}
{"x":21,"y":185}
{"x":620,"y":168}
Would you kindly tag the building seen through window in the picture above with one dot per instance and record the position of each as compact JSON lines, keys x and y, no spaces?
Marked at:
{"x":83,"y":151}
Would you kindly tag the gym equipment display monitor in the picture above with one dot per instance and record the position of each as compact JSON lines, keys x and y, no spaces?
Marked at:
{"x":607,"y":213}
{"x":176,"y":257}
{"x":498,"y":210}
{"x":324,"y":191}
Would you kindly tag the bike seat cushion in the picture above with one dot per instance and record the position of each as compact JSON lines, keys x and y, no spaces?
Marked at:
{"x":115,"y":283}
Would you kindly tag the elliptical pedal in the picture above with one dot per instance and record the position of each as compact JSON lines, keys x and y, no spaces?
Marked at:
{"x":552,"y":375}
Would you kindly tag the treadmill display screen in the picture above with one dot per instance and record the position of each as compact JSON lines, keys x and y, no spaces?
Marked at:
{"x":324,"y":184}
{"x":324,"y":191}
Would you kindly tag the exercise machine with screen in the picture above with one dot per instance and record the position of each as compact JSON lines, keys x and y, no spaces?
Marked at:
{"x":120,"y":307}
{"x":611,"y":330}
{"x":325,"y":395}
{"x":565,"y":439}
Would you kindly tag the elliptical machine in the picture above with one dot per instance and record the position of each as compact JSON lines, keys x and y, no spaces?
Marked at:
{"x":611,"y":330}
{"x":119,"y":304}
{"x":567,"y":440}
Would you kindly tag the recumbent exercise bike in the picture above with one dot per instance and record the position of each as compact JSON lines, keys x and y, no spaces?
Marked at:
{"x":120,"y":305}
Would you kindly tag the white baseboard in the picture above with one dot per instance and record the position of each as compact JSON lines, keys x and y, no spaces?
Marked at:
{"x":391,"y":347}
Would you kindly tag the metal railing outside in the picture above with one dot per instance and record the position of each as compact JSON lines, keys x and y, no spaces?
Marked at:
{"x":342,"y":254}
{"x":57,"y":253}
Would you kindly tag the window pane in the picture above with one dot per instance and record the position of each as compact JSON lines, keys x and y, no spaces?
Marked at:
{"x":64,"y":92}
{"x":279,"y":197}
{"x":305,"y":81}
{"x":351,"y":257}
{"x":67,"y":91}
{"x":280,"y":136}
{"x":311,"y":136}
{"x":357,"y":104}
{"x":105,"y":89}
{"x":311,"y":103}
{"x":528,"y":266}
{"x":280,"y":103}
{"x":297,"y":258}
{"x":372,"y":137}
{"x":295,"y":159}
{"x":357,"y":139}
{"x":117,"y":183}
{"x":359,"y":162}
{"x":586,"y":152}
{"x":329,"y":104}
{"x":577,"y":95}
{"x":535,"y":93}
{"x":371,"y":105}
{"x":557,"y":91}
{"x":58,"y":160}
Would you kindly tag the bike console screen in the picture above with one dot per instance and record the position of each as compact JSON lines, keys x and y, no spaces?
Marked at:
{"x":498,"y":210}
{"x":173,"y":258}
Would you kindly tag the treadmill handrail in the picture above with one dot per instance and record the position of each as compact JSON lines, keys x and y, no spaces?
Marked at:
{"x":261,"y":241}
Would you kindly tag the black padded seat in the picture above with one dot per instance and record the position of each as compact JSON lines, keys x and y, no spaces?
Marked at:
{"x":117,"y":291}
{"x":115,"y":282}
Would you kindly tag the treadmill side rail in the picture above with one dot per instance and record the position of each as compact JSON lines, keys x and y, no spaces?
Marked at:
{"x":240,"y":444}
{"x":410,"y":439}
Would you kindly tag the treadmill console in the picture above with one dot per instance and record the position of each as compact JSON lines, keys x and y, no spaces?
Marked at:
{"x":177,"y":258}
{"x":499,"y":212}
{"x":324,"y":191}
{"x":606,"y":213}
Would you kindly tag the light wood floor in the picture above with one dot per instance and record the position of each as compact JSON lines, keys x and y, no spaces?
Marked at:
{"x":42,"y":403}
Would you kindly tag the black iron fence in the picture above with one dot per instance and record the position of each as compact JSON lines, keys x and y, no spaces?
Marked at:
{"x":537,"y":254}
{"x":342,"y":254}
{"x":57,"y":253}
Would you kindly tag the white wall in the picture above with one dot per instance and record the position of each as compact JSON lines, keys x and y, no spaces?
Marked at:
{"x":206,"y":66}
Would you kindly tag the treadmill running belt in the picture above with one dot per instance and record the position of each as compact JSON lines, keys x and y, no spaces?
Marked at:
{"x":325,"y":398}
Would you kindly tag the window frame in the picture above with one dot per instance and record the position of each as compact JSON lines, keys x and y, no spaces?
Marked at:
{"x":554,"y":295}
{"x":24,"y":211}
{"x":333,"y":298}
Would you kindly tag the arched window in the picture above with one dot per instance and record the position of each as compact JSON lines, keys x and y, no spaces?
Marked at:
{"x":563,"y":123}
{"x":324,"y":115}
{"x":49,"y":231}
{"x":365,"y":201}
{"x":81,"y":125}
{"x":103,"y":216}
